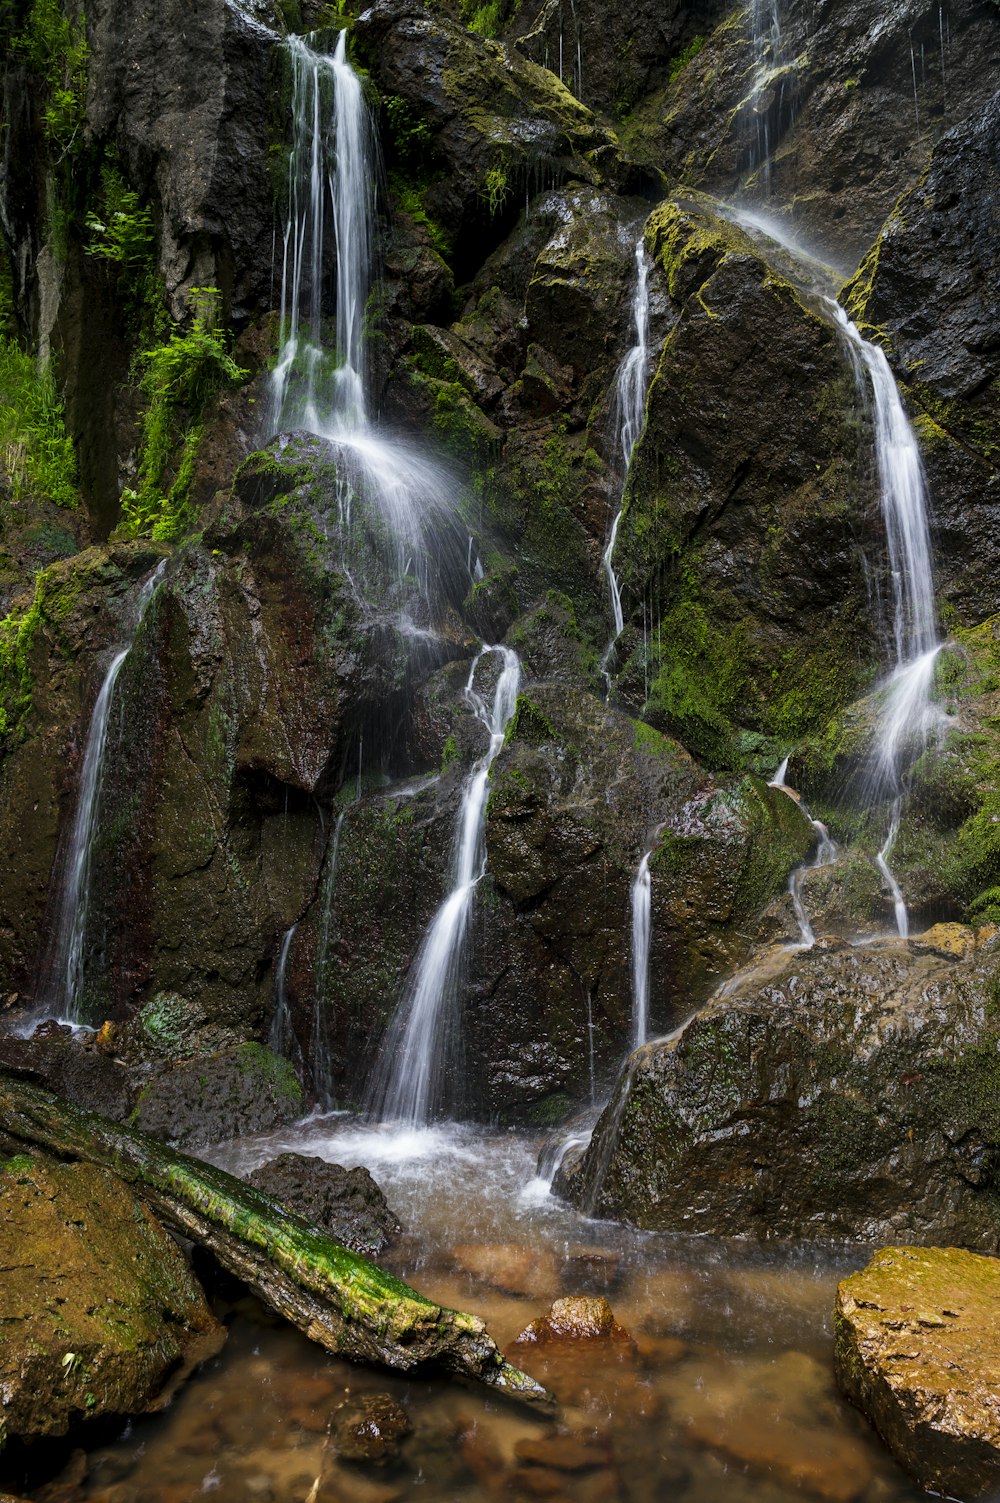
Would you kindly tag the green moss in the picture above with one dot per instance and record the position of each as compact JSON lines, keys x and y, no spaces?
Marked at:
{"x":449,"y":753}
{"x":529,"y":723}
{"x":179,"y":379}
{"x":35,"y":450}
{"x":678,"y":63}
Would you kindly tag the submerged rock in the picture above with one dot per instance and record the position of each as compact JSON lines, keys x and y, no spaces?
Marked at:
{"x":917,"y":1333}
{"x":227,"y":1095}
{"x":577,"y":1317}
{"x":347,"y":1203}
{"x":835,"y":1092}
{"x":369,"y":1427}
{"x":97,"y":1305}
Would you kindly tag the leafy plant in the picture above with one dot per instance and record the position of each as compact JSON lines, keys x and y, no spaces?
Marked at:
{"x":497,"y":188}
{"x":36,"y":452}
{"x":55,"y":49}
{"x":179,"y":379}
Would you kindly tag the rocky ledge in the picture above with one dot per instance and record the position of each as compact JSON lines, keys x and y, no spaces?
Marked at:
{"x":917,"y":1333}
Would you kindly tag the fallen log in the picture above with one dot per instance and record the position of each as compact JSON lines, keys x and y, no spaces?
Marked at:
{"x":336,"y":1297}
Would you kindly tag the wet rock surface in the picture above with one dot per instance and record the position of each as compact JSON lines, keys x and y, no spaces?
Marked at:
{"x":99,"y":1308}
{"x":346,"y":1203}
{"x":238,"y":1091}
{"x":840,"y":1092}
{"x":369,"y":1427}
{"x":916,"y":1336}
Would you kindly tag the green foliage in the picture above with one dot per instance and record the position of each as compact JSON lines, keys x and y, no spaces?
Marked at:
{"x":496,"y":188}
{"x":17,"y":636}
{"x":487,"y":19}
{"x":411,"y":140}
{"x":179,"y":379}
{"x":55,"y":49}
{"x":680,"y":62}
{"x":36,"y":453}
{"x":410,"y":198}
{"x":123,"y":232}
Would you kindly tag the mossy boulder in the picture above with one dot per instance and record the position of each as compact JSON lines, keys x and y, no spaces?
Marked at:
{"x":835,"y":1092}
{"x":916,"y":1335}
{"x":242,"y":1090}
{"x":737,"y":551}
{"x":99,"y":1311}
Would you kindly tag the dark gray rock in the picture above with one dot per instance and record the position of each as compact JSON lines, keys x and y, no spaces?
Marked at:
{"x":837,"y":1092}
{"x":227,"y":1095}
{"x":347,"y":1203}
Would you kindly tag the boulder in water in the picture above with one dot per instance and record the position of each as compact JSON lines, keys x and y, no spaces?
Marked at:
{"x":917,"y":1333}
{"x":226,"y":1095}
{"x":98,"y":1306}
{"x":347,"y":1203}
{"x":369,"y":1427}
{"x":850,"y":1093}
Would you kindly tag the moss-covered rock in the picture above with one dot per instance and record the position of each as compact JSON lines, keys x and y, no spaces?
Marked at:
{"x":97,"y":1305}
{"x":915,"y":1340}
{"x":242,"y":1090}
{"x":737,"y":550}
{"x":835,"y":1092}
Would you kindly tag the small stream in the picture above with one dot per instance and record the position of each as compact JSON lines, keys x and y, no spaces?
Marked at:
{"x":727,"y":1392}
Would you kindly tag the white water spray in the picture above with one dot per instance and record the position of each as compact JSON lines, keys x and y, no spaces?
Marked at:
{"x":908,"y":715}
{"x":65,"y":970}
{"x":631,"y":385}
{"x":642,"y":929}
{"x":410,"y":1083}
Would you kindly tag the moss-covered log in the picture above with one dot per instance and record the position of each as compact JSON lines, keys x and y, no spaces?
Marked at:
{"x":334,"y":1296}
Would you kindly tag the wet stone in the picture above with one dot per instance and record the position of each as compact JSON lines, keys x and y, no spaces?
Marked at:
{"x":578,"y":1317}
{"x":523,"y":1271}
{"x":917,"y":1334}
{"x":369,"y":1427}
{"x":565,"y":1451}
{"x":346,"y":1203}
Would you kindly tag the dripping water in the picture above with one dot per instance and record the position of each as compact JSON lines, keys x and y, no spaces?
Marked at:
{"x":411,"y":1082}
{"x":642,"y":926}
{"x":65,"y":971}
{"x":282,"y":1038}
{"x":322,"y":1053}
{"x":631,"y":384}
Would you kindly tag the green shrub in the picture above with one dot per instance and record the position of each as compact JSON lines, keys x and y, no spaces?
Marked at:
{"x":179,"y":379}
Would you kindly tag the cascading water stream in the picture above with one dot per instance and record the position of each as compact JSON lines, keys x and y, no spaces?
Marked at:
{"x":631,"y":384}
{"x":282,"y":1036}
{"x":410,"y":1084}
{"x":332,"y":175}
{"x":642,"y":929}
{"x":64,"y":972}
{"x":908,"y":713}
{"x":322,"y":1054}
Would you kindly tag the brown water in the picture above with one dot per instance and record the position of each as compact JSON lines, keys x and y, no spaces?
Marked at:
{"x":727,"y":1391}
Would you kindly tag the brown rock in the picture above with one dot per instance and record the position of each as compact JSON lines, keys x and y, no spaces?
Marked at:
{"x":524,"y":1271}
{"x":578,"y":1317}
{"x":565,"y":1451}
{"x":917,"y":1334}
{"x":369,"y":1427}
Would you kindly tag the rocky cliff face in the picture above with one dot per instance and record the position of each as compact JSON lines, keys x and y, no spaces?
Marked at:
{"x":292,"y":733}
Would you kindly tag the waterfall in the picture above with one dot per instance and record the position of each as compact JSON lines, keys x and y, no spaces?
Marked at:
{"x":333,"y":170}
{"x":908,"y":714}
{"x":826,"y":855}
{"x":322,"y":1062}
{"x":64,"y":972}
{"x":282,"y":1037}
{"x":641,"y":936}
{"x":409,"y":1084}
{"x":631,"y":384}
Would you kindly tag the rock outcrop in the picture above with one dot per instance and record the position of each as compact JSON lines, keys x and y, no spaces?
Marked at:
{"x":834,"y":1092}
{"x":916,"y":1336}
{"x":98,"y":1307}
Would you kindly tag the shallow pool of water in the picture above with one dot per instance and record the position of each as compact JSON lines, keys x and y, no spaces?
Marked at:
{"x":725,"y":1391}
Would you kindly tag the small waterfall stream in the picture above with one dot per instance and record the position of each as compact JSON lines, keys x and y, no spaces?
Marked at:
{"x":282,"y":1036}
{"x":642,"y":928}
{"x":908,"y":714}
{"x":410,"y":1081}
{"x":62,"y":987}
{"x":631,"y":384}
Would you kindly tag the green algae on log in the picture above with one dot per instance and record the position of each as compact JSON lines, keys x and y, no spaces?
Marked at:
{"x":336,"y":1297}
{"x":916,"y":1335}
